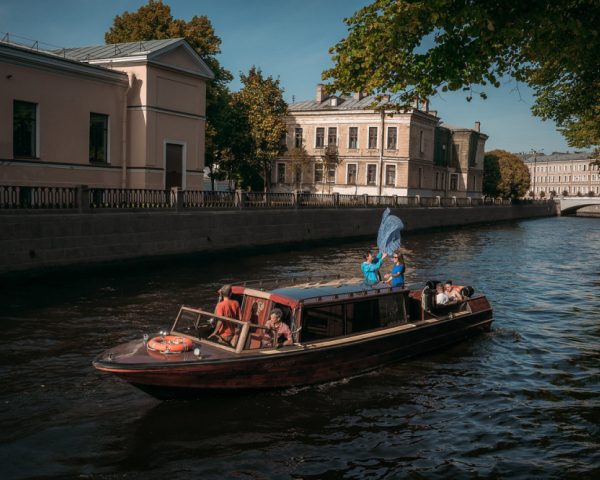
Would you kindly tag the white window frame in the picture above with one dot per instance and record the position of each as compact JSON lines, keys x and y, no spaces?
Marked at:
{"x":301,"y":136}
{"x":347,"y":165}
{"x":324,"y":137}
{"x":387,"y":138}
{"x":183,"y":162}
{"x":385,"y":184}
{"x":337,"y":135}
{"x":369,"y":127}
{"x":457,"y":182}
{"x":315,"y":172}
{"x":376,"y":174}
{"x":357,"y":137}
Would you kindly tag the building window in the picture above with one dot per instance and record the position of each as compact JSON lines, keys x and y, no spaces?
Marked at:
{"x":318,"y":173}
{"x":437,"y":181}
{"x":320,"y":142}
{"x":454,"y":181}
{"x":371,"y":174}
{"x":372,"y":137}
{"x":422,"y":143}
{"x":331,"y":174}
{"x":24,"y":129}
{"x":332,"y":136}
{"x":98,"y":138}
{"x":281,"y":173}
{"x":392,"y":138}
{"x":390,"y":175}
{"x":351,"y":174}
{"x":353,"y":138}
{"x":298,"y":137}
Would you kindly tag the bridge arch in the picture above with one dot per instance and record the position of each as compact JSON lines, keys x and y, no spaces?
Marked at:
{"x":571,"y":206}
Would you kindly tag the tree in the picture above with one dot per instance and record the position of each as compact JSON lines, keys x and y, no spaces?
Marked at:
{"x":299,"y":160}
{"x":266,"y":110}
{"x":552,"y":45}
{"x":514,"y":175}
{"x":542,"y":194}
{"x":491,"y":176}
{"x":155,"y":22}
{"x":565,"y":193}
{"x":330,"y":161}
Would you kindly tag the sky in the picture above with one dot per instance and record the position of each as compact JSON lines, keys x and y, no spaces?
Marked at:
{"x":286,"y":39}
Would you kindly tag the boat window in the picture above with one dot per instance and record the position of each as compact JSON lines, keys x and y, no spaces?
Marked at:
{"x":361,"y":316}
{"x":392,"y":310}
{"x":323,"y":322}
{"x":186,"y":322}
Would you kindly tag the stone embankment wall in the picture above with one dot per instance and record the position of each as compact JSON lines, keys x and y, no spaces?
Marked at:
{"x":593,"y":211}
{"x":43,"y":241}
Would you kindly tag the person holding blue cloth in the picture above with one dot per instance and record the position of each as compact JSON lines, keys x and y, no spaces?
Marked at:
{"x":397,"y":275}
{"x":371,"y":265}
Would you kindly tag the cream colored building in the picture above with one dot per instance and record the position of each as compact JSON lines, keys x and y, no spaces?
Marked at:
{"x":401,"y":154}
{"x":117,"y":116}
{"x":562,"y":172}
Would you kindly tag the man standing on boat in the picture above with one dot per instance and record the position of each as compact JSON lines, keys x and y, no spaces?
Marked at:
{"x":225,"y":331}
{"x":371,"y":265}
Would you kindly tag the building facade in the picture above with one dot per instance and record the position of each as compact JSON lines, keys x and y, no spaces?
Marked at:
{"x":562,"y":173}
{"x":388,"y":153}
{"x":115,"y":116}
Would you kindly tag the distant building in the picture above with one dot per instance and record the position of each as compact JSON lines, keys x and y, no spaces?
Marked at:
{"x":126,"y":115}
{"x":410,"y":153}
{"x":560,"y":172}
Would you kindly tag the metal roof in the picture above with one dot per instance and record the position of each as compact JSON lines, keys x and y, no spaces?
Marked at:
{"x":555,"y":157}
{"x":116,"y":50}
{"x":343,"y":103}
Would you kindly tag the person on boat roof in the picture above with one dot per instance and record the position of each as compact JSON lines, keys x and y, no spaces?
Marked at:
{"x":441,"y":298}
{"x":371,"y":265}
{"x":452,"y":291}
{"x":273,"y":323}
{"x":396,"y":278}
{"x":225,"y":331}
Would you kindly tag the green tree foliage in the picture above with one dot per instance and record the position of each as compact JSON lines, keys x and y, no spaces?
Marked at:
{"x":330,"y":160}
{"x":299,"y":160}
{"x":263,"y":101}
{"x":552,"y":45}
{"x":504,"y":175}
{"x":154,"y":21}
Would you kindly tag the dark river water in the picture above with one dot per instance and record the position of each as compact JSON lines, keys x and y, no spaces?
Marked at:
{"x":520,"y":402}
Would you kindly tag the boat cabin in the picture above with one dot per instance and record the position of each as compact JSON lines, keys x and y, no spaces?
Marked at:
{"x":315,"y":310}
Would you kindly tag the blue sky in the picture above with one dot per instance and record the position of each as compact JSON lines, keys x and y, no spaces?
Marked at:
{"x":287,"y":39}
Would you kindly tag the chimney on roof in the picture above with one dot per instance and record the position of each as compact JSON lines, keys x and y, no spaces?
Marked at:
{"x":359,"y":95}
{"x":425,"y":106}
{"x":386,"y":98}
{"x":478,"y":127}
{"x":321,"y":95}
{"x":433,"y":112}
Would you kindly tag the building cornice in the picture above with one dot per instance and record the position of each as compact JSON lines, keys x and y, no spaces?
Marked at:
{"x":146,"y":108}
{"x":60,"y":66}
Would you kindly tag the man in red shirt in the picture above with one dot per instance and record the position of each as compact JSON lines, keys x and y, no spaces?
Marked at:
{"x":224,"y":330}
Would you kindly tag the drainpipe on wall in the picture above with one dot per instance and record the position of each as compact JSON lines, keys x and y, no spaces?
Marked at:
{"x":131,"y":78}
{"x":381,"y":151}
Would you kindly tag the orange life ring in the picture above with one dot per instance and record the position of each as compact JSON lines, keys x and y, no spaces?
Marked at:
{"x":170,"y":344}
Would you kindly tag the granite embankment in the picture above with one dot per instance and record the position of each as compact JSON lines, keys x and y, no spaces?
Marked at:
{"x":37,"y":242}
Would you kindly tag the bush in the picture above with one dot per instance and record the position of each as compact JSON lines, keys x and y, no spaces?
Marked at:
{"x":579,"y":194}
{"x":565,"y":193}
{"x":591,"y":194}
{"x":542,"y":194}
{"x":531,"y":194}
{"x":553,"y":193}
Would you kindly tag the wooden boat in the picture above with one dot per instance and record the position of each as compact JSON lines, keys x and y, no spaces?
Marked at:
{"x":341,"y":327}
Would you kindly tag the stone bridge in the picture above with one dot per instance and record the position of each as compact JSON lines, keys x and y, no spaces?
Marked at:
{"x":570,"y":205}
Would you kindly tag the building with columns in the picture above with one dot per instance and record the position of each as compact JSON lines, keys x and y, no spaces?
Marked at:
{"x":559,"y":172}
{"x":128,"y":115}
{"x":390,"y":153}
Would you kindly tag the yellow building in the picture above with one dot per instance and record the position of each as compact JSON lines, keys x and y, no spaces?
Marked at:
{"x":410,"y":153}
{"x":116,"y":116}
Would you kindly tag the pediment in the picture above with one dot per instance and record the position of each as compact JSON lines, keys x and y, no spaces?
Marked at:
{"x":182,"y":56}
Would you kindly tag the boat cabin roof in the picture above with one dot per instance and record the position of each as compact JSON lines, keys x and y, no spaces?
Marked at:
{"x":300,"y":290}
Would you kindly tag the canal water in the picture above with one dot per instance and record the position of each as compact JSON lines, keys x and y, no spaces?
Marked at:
{"x":520,"y":402}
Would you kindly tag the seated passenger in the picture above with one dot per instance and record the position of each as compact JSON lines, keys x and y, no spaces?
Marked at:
{"x":441,"y":298}
{"x":370,"y":266}
{"x":226,"y":331}
{"x":452,"y":291}
{"x":273,"y":323}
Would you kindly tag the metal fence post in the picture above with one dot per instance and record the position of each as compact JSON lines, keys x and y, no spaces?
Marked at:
{"x":418,"y":200}
{"x":365,"y":200}
{"x":336,"y":200}
{"x":438,"y":201}
{"x":394,"y":201}
{"x":295,"y":198}
{"x":470,"y":202}
{"x":454,"y":201}
{"x":240,"y":199}
{"x":177,"y":197}
{"x":83,"y":199}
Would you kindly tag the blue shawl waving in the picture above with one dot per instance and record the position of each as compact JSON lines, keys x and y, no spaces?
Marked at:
{"x":388,"y":238}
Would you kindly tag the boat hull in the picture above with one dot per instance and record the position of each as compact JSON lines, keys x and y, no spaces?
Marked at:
{"x":294,"y":366}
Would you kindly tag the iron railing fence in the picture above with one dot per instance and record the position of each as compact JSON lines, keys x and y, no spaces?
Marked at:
{"x":113,"y":198}
{"x":83,"y":198}
{"x":45,"y":198}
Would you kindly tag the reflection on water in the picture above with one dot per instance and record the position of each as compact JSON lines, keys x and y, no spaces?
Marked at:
{"x":520,"y":402}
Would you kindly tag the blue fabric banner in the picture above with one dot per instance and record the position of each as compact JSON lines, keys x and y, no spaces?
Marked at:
{"x":388,"y":238}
